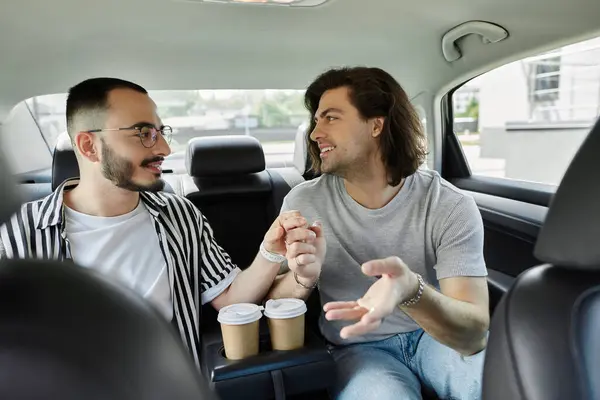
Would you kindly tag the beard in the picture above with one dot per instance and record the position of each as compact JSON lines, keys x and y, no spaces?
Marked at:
{"x":349,"y":166}
{"x":120,"y":170}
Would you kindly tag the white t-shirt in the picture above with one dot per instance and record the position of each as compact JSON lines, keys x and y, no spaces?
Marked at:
{"x":125,"y":248}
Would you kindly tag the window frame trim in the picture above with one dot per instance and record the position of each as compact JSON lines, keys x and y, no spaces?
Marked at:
{"x":456,"y":168}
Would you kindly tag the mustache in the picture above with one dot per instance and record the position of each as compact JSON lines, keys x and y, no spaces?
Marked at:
{"x":152,"y":160}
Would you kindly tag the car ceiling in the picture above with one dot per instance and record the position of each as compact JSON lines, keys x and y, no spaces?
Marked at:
{"x":47,"y":46}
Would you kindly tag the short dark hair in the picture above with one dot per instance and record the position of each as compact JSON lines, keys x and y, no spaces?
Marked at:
{"x":91,"y":97}
{"x":375,"y":93}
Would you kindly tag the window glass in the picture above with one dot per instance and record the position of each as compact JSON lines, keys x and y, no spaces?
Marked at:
{"x":526,"y":120}
{"x":272,"y":116}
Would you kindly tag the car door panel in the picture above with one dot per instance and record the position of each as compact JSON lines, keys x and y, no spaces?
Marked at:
{"x":498,"y":285}
{"x":511,"y":228}
{"x":510,"y":231}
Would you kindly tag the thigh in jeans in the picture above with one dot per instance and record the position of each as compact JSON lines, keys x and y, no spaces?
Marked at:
{"x":445,"y":372}
{"x":366,"y":372}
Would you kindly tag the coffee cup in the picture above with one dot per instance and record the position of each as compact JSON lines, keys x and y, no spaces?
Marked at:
{"x":286,"y":323}
{"x":240,"y":328}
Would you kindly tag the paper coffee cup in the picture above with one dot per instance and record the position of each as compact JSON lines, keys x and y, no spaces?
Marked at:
{"x":286,"y":323}
{"x":239,"y":328}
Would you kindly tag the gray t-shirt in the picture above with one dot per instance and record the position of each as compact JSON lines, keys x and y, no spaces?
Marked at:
{"x":435,"y":228}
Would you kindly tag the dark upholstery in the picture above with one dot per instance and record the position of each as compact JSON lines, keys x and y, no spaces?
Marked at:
{"x":240,"y":203}
{"x":545,"y":334}
{"x":572,"y":227}
{"x":224,"y":155}
{"x":238,"y":208}
{"x":70,"y":334}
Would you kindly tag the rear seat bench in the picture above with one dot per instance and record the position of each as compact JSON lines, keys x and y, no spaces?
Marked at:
{"x":228,"y":182}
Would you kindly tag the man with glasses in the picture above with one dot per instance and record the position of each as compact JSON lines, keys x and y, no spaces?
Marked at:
{"x":115,"y":219}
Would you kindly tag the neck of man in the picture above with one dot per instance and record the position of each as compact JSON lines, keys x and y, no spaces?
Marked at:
{"x":99,"y":197}
{"x":370,"y":186}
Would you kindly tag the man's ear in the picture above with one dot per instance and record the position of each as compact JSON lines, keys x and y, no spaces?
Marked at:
{"x":85,"y":144}
{"x":377,"y":126}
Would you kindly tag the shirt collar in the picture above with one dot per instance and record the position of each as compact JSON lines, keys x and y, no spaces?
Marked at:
{"x":51,"y":209}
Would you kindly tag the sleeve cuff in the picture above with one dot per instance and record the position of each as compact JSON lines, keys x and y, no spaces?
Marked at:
{"x":210,"y":294}
{"x":461,"y":271}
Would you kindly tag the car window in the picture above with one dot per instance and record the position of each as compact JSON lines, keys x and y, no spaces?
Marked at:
{"x":272,"y":116}
{"x":526,"y":120}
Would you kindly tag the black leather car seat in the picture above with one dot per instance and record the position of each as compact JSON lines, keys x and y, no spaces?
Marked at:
{"x":545,"y":334}
{"x":228,"y":181}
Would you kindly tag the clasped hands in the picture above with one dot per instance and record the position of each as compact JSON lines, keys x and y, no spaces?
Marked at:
{"x":303,"y":245}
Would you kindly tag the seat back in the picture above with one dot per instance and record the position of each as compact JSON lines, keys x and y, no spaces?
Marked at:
{"x":69,"y":333}
{"x":229,"y":184}
{"x":544,"y":338}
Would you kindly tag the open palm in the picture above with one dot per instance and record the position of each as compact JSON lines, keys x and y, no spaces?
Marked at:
{"x":379,"y":301}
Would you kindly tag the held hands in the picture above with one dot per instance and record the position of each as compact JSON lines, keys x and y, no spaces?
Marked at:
{"x":302,"y":245}
{"x":396,"y":285}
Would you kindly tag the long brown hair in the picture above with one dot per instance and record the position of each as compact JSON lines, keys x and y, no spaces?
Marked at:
{"x":375,"y":93}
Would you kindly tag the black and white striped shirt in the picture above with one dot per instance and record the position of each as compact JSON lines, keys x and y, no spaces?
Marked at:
{"x":199,"y":269}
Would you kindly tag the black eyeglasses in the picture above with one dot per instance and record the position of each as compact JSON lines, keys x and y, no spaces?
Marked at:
{"x":148,"y":134}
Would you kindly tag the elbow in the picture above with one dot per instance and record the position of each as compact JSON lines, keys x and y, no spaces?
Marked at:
{"x":479,"y":337}
{"x":221,"y":300}
{"x":475,"y":347}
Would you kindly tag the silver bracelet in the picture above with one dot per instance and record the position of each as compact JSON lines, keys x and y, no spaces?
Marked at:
{"x":272,"y":257}
{"x":417,"y":297}
{"x":304,"y":286}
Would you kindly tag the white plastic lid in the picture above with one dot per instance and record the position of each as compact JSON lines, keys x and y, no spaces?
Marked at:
{"x":284,"y":308}
{"x":239,"y":314}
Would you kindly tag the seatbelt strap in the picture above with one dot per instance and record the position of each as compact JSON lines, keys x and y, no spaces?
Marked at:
{"x":278,"y":385}
{"x":290,"y":175}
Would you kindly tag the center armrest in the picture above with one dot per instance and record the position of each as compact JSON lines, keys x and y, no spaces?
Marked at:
{"x":310,"y":368}
{"x":220,"y":368}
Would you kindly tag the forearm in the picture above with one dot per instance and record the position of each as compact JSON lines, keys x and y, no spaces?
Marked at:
{"x":251,"y":285}
{"x":457,"y":324}
{"x":285,"y":286}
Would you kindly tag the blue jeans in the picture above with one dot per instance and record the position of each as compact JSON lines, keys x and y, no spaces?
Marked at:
{"x":403,"y":366}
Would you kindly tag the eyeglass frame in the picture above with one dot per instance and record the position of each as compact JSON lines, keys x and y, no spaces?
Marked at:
{"x":139,"y":134}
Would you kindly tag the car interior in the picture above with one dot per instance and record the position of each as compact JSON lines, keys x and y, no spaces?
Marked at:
{"x":531,"y":173}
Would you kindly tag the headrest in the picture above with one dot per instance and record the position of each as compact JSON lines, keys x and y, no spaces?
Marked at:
{"x":70,"y":333}
{"x":570,"y":235}
{"x":9,"y":201}
{"x":224,"y":155}
{"x":64,"y":161}
{"x":301,"y":149}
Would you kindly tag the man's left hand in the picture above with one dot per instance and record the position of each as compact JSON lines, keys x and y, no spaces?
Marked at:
{"x":397,"y":283}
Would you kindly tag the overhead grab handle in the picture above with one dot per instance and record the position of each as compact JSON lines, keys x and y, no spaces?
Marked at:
{"x":490,"y":33}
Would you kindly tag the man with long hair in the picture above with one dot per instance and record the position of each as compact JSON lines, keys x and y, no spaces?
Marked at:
{"x":403,"y":284}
